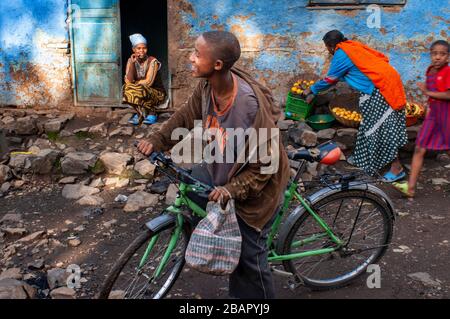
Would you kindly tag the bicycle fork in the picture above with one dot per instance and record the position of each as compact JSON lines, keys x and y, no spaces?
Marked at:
{"x":170,"y":247}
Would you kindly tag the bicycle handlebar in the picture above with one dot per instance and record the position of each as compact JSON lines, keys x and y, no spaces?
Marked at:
{"x":159,"y":157}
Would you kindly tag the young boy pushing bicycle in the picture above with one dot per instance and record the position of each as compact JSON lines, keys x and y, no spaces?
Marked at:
{"x":229,"y":98}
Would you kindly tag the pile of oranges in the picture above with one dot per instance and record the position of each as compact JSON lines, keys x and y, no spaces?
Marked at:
{"x":347,"y":114}
{"x":300,"y":86}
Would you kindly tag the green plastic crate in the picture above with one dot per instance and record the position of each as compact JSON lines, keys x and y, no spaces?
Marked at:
{"x":296,"y":108}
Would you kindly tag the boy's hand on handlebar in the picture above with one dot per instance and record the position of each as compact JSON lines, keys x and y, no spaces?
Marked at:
{"x":145,"y":147}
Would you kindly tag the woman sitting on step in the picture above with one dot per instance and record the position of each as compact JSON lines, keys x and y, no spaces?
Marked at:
{"x":143,"y":89}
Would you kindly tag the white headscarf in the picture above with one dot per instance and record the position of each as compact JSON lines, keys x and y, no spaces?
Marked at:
{"x":136,"y":39}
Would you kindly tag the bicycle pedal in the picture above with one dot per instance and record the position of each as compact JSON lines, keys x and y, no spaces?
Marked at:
{"x":295,"y":283}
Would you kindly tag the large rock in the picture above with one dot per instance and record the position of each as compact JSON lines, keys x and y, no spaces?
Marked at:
{"x":44,"y":162}
{"x":171,"y":194}
{"x":78,"y":190}
{"x":63,"y":293}
{"x":301,"y":132}
{"x":11,"y":273}
{"x":115,"y":163}
{"x":145,"y":168}
{"x":91,"y":200}
{"x":57,"y":277}
{"x":140,"y":200}
{"x":32,"y":237}
{"x":5,"y":173}
{"x":15,"y":289}
{"x":308,"y":138}
{"x":351,"y":132}
{"x":326,"y":134}
{"x":100,"y":129}
{"x":25,"y":126}
{"x":55,"y":125}
{"x":40,"y":163}
{"x":123,"y":131}
{"x":13,"y":218}
{"x":78,"y":163}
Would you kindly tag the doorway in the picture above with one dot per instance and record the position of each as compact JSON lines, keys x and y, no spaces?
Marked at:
{"x":150,"y":19}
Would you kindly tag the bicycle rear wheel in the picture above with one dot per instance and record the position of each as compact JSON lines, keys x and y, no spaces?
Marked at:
{"x":366,"y":236}
{"x":127,"y":280}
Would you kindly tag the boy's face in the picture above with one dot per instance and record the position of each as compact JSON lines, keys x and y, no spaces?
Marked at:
{"x":140,"y":50}
{"x":203,"y":64}
{"x":439,"y":56}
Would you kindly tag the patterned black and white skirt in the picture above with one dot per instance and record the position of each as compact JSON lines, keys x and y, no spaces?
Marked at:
{"x":381,"y":134}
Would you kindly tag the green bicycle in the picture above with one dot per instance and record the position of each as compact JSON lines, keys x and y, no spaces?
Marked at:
{"x":323,"y":241}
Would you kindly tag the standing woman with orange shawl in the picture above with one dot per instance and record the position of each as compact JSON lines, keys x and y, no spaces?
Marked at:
{"x":382,"y":98}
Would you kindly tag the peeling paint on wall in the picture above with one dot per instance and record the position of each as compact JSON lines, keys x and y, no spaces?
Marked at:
{"x":281,"y":39}
{"x":34,"y":53}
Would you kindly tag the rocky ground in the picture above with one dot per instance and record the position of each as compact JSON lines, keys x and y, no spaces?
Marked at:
{"x":77,"y":193}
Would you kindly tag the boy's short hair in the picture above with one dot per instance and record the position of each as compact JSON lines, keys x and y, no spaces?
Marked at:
{"x":441,"y":42}
{"x":225,"y":46}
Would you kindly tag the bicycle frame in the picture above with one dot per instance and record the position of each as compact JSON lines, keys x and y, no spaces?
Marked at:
{"x":291,"y":193}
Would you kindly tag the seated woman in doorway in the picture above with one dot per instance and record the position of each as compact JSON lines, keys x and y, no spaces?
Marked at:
{"x":143,"y":89}
{"x":382,"y":99}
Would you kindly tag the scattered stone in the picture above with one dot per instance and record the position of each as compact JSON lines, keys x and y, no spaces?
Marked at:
{"x":439,"y":181}
{"x":351,"y":132}
{"x":15,"y":289}
{"x":145,"y":168}
{"x":18,"y":183}
{"x":326,"y":134}
{"x":117,"y":182}
{"x":124,"y":120}
{"x":78,"y":190}
{"x":54,"y":125}
{"x":425,"y":279}
{"x":57,"y":277}
{"x":121,"y":198}
{"x":11,"y":273}
{"x":308,"y":138}
{"x":98,"y":182}
{"x":25,"y":126}
{"x":67,"y":180}
{"x":44,"y":161}
{"x":32,"y":237}
{"x":5,"y":187}
{"x":140,"y":200}
{"x":78,"y":163}
{"x":63,"y":293}
{"x":122,"y":131}
{"x":285,"y":124}
{"x":5,"y":173}
{"x":115,"y":163}
{"x":79,"y":228}
{"x":100,"y":129}
{"x":402,"y":249}
{"x":91,"y":200}
{"x":15,"y":218}
{"x":36,"y":265}
{"x":74,"y":242}
{"x":15,"y":231}
{"x":117,"y":294}
{"x":171,"y":194}
{"x":110,"y":223}
{"x":65,"y":133}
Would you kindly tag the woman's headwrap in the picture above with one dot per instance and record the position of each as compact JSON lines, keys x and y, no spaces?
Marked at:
{"x":136,"y":39}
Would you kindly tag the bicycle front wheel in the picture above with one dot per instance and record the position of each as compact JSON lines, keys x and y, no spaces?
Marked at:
{"x":145,"y":270}
{"x":361,"y":220}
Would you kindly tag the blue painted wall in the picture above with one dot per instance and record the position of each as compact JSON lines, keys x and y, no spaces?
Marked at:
{"x":282,"y":38}
{"x":34,"y":60}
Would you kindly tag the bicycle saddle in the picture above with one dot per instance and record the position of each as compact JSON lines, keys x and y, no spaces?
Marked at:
{"x":327,"y":153}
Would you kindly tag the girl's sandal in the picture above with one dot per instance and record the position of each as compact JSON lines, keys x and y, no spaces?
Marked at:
{"x":403,"y":188}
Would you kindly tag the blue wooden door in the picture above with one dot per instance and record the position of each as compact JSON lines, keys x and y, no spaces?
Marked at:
{"x":96,"y":60}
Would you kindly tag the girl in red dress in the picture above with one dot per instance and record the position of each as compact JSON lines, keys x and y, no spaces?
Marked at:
{"x":435,"y":132}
